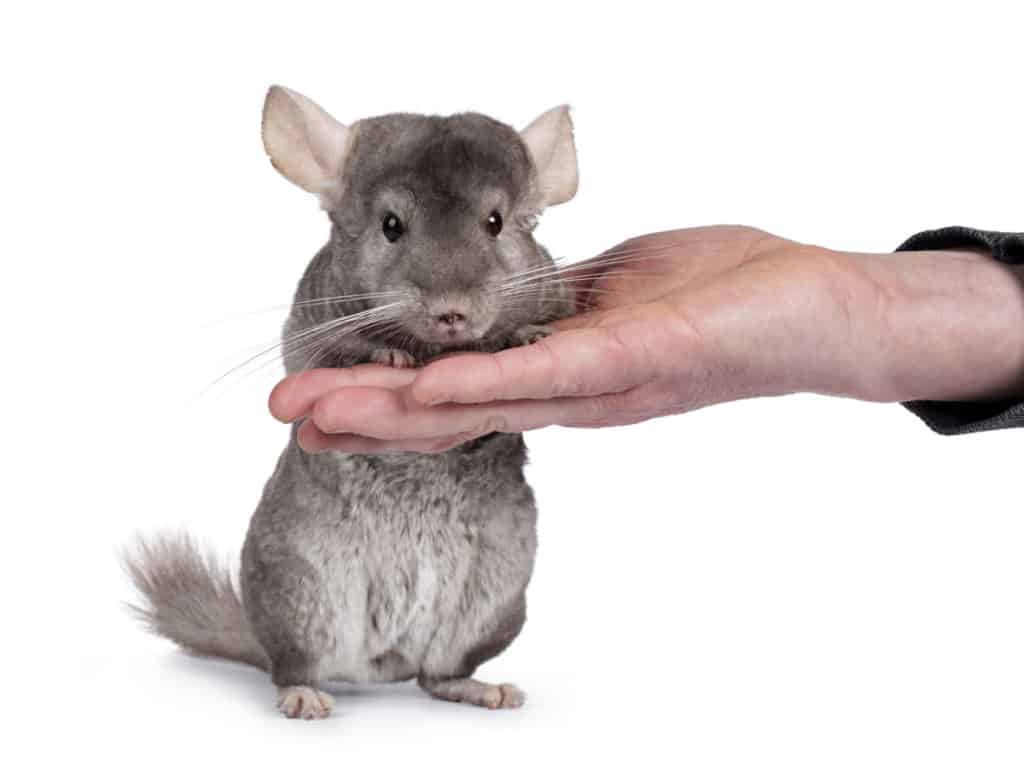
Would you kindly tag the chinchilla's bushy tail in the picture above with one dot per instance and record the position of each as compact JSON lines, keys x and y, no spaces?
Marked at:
{"x":189,"y":597}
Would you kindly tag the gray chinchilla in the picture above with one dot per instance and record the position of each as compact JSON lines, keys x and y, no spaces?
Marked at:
{"x":384,"y":568}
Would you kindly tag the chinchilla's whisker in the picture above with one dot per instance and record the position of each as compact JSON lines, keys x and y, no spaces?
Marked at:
{"x":553,"y":264}
{"x":571,"y":279}
{"x":406,"y":339}
{"x":326,"y":300}
{"x":395,"y":334}
{"x":614,"y":270}
{"x":540,"y":270}
{"x":331,"y":335}
{"x":546,"y":276}
{"x":556,"y":279}
{"x":324,"y":343}
{"x":349,"y":297}
{"x":637,"y":249}
{"x":321,"y":328}
{"x":628,"y":253}
{"x":595,"y":265}
{"x":623,"y":255}
{"x":599,"y":264}
{"x":388,"y":329}
{"x":533,"y":300}
{"x":314,"y":356}
{"x":540,"y":279}
{"x":318,"y":345}
{"x":341,"y":322}
{"x":544,"y":295}
{"x":519,"y":304}
{"x":312,"y":337}
{"x":544,"y":287}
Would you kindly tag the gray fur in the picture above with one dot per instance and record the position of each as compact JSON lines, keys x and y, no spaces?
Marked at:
{"x":385,"y":568}
{"x":191,"y":598}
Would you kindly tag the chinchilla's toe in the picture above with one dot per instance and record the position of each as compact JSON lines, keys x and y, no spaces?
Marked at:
{"x":304,"y":702}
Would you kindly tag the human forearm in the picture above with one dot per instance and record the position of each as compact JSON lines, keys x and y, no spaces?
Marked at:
{"x":947,"y":325}
{"x":935,"y":325}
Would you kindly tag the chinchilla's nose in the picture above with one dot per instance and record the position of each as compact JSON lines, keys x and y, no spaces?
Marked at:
{"x":451,"y":320}
{"x":452,"y":314}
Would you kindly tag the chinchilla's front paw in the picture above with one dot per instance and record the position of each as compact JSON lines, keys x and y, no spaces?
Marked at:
{"x":531,"y":334}
{"x":393,"y":358}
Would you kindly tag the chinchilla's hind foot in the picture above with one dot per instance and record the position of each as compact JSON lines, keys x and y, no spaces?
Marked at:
{"x":470,"y":691}
{"x":304,"y":702}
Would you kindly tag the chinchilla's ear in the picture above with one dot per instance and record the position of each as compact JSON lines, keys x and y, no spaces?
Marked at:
{"x":305,"y":144}
{"x":549,"y":139}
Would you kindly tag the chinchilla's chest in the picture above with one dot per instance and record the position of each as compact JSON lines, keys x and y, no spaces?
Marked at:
{"x":407,"y":545}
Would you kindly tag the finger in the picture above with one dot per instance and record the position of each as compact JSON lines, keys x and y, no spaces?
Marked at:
{"x":388,"y":415}
{"x":293,"y":397}
{"x":578,"y":362}
{"x":312,"y":440}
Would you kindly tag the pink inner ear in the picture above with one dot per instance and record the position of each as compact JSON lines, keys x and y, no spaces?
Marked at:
{"x":305,"y":144}
{"x":550,"y":141}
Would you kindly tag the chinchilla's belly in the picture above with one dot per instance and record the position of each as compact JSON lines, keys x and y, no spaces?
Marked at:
{"x":405,"y":552}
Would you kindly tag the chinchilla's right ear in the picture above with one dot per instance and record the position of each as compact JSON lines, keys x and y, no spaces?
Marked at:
{"x":305,"y":144}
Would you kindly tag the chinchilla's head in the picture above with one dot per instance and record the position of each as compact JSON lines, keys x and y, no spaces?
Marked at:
{"x":431,"y":216}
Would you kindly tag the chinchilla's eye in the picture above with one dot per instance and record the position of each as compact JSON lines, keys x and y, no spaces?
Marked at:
{"x":392,"y":227}
{"x":493,"y":224}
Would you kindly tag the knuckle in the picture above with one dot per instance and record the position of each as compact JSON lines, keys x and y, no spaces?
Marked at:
{"x":552,"y":370}
{"x":327,"y":418}
{"x":500,"y":377}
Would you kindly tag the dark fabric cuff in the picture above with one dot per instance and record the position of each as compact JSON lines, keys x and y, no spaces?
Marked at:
{"x":957,"y":418}
{"x":1007,"y":247}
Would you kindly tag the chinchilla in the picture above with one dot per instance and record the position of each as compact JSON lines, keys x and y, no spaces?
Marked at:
{"x":366,"y":568}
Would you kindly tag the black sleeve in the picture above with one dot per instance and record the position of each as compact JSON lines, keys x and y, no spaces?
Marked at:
{"x":951,"y":418}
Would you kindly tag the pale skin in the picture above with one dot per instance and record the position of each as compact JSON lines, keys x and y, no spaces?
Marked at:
{"x":697,"y":317}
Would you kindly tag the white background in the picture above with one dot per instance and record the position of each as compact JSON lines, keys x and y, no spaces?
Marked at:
{"x":800,"y":581}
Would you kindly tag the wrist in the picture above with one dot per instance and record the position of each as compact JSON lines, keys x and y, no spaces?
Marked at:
{"x":793,"y":319}
{"x":936,"y":325}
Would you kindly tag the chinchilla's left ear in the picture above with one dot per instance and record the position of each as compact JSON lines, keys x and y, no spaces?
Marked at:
{"x":549,"y":139}
{"x":305,"y":144}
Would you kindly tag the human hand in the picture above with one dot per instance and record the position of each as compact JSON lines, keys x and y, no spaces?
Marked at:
{"x":683,"y":319}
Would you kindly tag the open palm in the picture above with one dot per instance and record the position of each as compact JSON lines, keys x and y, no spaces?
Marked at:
{"x":670,"y":322}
